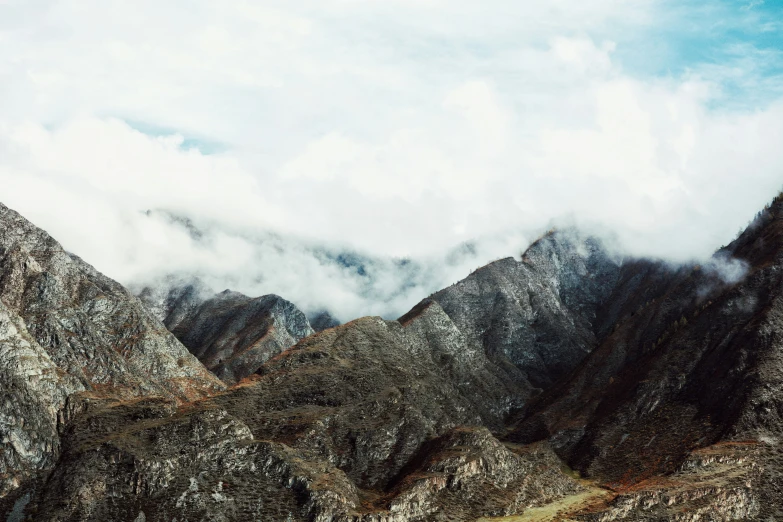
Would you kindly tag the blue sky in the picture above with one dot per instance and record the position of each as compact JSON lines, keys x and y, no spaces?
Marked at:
{"x":736,"y":45}
{"x":392,"y":128}
{"x":739,"y":44}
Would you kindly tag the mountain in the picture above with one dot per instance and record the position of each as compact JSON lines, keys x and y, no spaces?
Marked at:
{"x":567,"y":384}
{"x":371,"y":419}
{"x":230,"y":333}
{"x":68,"y":336}
{"x":689,"y":379}
{"x":538,"y":313}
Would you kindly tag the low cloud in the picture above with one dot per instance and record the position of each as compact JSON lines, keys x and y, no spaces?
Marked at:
{"x":315,"y":276}
{"x":293,"y":133}
{"x":730,"y":270}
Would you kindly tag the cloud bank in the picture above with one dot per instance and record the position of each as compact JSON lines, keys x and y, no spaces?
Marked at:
{"x":395,"y":130}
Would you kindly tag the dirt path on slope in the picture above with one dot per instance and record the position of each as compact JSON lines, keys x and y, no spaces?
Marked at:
{"x":563,"y":509}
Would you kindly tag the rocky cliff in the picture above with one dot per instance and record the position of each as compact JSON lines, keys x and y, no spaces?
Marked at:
{"x":65,"y":329}
{"x":366,"y":421}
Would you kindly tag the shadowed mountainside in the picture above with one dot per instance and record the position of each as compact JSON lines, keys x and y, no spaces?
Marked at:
{"x":694,"y":360}
{"x":539,"y":313}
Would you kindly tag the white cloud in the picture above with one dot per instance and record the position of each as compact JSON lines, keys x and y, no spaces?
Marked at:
{"x":396,"y":128}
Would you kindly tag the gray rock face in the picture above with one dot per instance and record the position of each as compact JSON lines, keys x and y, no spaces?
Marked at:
{"x":540,"y":313}
{"x":33,"y":392}
{"x":230,"y":333}
{"x":368,"y":410}
{"x":65,"y":328}
{"x":467,"y":473}
{"x":145,"y":461}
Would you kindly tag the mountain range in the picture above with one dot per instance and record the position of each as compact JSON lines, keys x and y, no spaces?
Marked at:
{"x":570,"y":383}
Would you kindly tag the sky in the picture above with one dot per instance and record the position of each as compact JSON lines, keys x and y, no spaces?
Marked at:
{"x":422,"y":137}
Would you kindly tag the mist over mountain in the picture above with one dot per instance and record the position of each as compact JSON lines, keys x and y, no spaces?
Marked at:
{"x":314,"y":275}
{"x":321,"y":277}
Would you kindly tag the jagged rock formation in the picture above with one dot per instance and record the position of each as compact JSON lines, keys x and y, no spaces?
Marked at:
{"x":230,"y":333}
{"x":539,"y":313}
{"x":467,"y":473}
{"x":381,"y":387}
{"x":64,"y":329}
{"x":33,"y":393}
{"x":146,"y":461}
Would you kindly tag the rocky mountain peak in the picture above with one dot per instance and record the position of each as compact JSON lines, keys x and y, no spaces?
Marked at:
{"x":538,"y":313}
{"x":690,"y":362}
{"x":323,"y":320}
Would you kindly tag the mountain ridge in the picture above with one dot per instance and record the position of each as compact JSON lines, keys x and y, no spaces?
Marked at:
{"x":659,"y":384}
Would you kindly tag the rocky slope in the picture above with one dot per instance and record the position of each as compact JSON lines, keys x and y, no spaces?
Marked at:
{"x":146,"y":461}
{"x":539,"y":313}
{"x":694,"y":359}
{"x":230,"y":333}
{"x":360,"y":422}
{"x":718,"y":483}
{"x":368,"y":394}
{"x":66,"y":329}
{"x":377,"y":406}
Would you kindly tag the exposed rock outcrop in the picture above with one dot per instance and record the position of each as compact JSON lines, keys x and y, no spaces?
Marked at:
{"x":144,"y":460}
{"x":358,"y":423}
{"x":366,"y":395}
{"x":33,"y":392}
{"x":467,"y":473}
{"x":122,"y":461}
